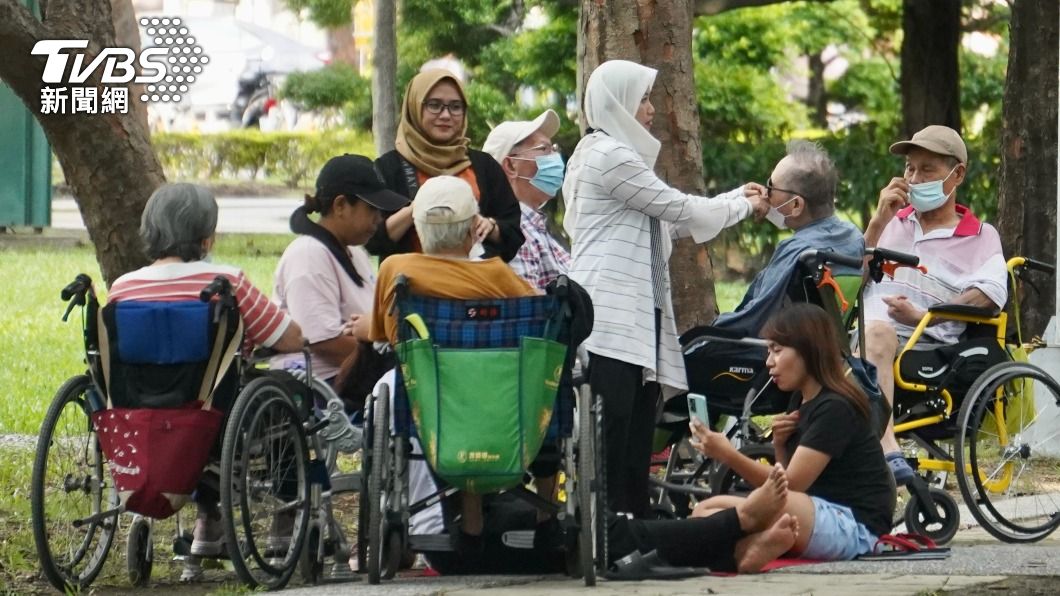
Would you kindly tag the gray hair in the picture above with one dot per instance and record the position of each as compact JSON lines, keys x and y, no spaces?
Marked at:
{"x":176,"y":220}
{"x":436,"y":237}
{"x":814,"y":174}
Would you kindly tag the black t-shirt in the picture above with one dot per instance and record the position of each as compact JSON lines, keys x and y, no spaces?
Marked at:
{"x":857,"y":476}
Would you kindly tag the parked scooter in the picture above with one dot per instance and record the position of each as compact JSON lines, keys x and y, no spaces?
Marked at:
{"x":256,"y":95}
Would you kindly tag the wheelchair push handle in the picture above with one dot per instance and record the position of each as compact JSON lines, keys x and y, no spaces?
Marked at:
{"x":74,"y":293}
{"x":220,"y":286}
{"x":77,"y":288}
{"x":1036,"y":265}
{"x":814,"y":258}
{"x":901,"y":258}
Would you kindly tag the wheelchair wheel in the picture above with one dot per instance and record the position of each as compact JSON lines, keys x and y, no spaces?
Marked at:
{"x":69,"y":486}
{"x":139,"y":552}
{"x":725,"y":481}
{"x":1009,"y":438}
{"x":947,"y":510}
{"x":378,"y":484}
{"x":265,"y":485}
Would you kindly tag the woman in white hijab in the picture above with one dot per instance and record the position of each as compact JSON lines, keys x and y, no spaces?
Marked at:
{"x":620,"y":217}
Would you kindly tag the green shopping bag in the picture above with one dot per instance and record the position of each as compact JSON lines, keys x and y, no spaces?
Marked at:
{"x":482,"y":414}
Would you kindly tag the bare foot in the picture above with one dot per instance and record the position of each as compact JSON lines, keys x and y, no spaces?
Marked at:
{"x":755,"y":551}
{"x":761,"y":508}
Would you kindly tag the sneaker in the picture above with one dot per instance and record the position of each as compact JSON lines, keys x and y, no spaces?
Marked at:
{"x":208,"y":539}
{"x":903,"y":473}
{"x":192,"y":571}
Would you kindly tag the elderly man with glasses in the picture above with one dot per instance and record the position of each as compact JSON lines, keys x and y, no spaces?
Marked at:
{"x":535,"y":170}
{"x":801,"y":195}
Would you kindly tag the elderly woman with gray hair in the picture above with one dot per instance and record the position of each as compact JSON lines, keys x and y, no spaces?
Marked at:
{"x":178,"y":229}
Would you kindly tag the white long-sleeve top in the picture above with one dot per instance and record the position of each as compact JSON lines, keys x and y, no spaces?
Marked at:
{"x":611,"y":195}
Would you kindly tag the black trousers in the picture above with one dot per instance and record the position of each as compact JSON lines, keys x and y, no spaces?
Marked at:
{"x":694,"y":542}
{"x":629,"y":425}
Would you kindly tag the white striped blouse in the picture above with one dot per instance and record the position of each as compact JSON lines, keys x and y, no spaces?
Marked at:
{"x":611,"y":195}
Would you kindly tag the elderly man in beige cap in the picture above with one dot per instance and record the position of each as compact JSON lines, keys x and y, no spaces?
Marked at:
{"x":535,"y":170}
{"x":918,"y":214}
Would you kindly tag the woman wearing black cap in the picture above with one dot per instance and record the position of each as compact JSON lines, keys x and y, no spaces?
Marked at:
{"x":325,"y":279}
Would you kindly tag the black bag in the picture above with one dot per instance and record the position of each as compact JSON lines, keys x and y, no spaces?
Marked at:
{"x":952,"y":367}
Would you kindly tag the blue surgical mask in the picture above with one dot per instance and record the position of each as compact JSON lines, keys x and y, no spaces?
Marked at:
{"x":549,"y":176}
{"x":929,"y":196}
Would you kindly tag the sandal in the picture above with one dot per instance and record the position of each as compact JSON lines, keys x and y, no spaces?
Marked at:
{"x":905,"y":547}
{"x":637,"y":567}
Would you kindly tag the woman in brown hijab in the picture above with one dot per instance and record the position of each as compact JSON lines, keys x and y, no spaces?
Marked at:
{"x":431,"y":142}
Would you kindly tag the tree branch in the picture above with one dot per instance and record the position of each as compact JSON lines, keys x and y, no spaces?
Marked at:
{"x":712,"y":7}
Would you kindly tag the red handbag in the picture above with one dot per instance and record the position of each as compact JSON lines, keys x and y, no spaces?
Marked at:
{"x":156,"y":456}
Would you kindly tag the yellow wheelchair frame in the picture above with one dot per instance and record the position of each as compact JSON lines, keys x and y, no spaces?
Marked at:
{"x":1000,"y":384}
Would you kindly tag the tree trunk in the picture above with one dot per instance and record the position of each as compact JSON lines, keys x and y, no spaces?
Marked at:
{"x":930,"y":78}
{"x":384,"y":77}
{"x":107,"y":158}
{"x":127,"y":35}
{"x":341,"y":45}
{"x":1028,"y":182}
{"x":659,"y":35}
{"x":816,"y":98}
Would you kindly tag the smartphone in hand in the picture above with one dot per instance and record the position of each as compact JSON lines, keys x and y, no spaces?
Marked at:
{"x":697,"y":408}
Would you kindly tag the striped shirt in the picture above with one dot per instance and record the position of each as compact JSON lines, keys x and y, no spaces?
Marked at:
{"x":263,"y":321}
{"x":957,"y":259}
{"x":612,"y":197}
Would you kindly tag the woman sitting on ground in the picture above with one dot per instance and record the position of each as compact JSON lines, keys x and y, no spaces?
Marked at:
{"x":841,"y":490}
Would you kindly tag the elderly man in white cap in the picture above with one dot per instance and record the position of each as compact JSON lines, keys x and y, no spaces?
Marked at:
{"x":918,"y":214}
{"x":446,"y":215}
{"x":535,"y":170}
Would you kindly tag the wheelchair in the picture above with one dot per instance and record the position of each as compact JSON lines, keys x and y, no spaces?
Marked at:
{"x":271,"y":462}
{"x":450,"y":386}
{"x":977,"y":410}
{"x":729,"y":370}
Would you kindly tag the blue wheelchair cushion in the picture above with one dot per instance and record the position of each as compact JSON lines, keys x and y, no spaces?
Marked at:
{"x":163,"y":332}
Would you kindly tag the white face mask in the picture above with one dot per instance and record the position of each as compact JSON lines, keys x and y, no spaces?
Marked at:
{"x":777,"y":218}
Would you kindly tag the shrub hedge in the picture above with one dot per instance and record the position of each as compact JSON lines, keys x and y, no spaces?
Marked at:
{"x":289,"y":157}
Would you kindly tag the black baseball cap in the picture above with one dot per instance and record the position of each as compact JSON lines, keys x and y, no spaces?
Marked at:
{"x":356,"y":175}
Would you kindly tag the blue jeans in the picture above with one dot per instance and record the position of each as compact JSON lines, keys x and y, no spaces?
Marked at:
{"x":837,"y":536}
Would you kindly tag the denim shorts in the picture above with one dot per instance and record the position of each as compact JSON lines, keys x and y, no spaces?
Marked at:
{"x":837,"y":536}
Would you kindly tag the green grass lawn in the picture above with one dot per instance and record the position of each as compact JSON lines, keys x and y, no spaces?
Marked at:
{"x":40,"y":351}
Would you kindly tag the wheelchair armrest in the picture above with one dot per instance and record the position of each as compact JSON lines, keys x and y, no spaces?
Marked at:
{"x":708,"y":331}
{"x":986,"y":312}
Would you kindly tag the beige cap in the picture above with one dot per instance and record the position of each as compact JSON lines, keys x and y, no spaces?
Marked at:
{"x":444,"y":191}
{"x":936,"y":139}
{"x":506,"y":135}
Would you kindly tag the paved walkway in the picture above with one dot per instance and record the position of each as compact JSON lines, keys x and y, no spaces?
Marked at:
{"x":977,"y":560}
{"x":236,"y":214}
